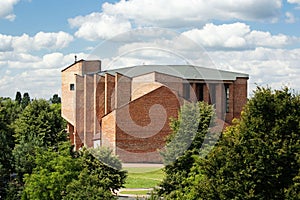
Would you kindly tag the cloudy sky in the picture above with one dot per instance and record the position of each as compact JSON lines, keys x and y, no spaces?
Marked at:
{"x":39,"y":38}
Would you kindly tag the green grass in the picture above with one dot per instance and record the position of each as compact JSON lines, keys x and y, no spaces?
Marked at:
{"x":136,"y":192}
{"x":143,"y":177}
{"x":141,"y":169}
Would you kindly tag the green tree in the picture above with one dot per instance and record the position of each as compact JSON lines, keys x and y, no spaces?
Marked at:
{"x":42,"y":121}
{"x":55,"y":99}
{"x":18,"y":98}
{"x":39,"y":125}
{"x":258,"y":157}
{"x":186,"y":142}
{"x":9,"y":111}
{"x":99,"y":179}
{"x":55,"y":169}
{"x":25,"y":100}
{"x":105,"y":155}
{"x":59,"y":175}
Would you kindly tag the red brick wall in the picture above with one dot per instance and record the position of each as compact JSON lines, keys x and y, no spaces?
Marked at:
{"x":109,"y":93}
{"x":88,"y":110}
{"x":108,"y":131}
{"x":91,"y":66}
{"x":122,"y":90}
{"x":206,"y":93}
{"x":70,"y":131}
{"x":139,"y":141}
{"x":78,"y":142}
{"x":79,"y":105}
{"x":240,"y":96}
{"x":172,"y":82}
{"x":100,"y":97}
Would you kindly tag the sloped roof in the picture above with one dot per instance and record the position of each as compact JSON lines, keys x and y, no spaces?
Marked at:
{"x":181,"y":71}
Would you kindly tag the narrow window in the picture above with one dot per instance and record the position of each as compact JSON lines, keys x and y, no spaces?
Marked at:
{"x":227,"y":97}
{"x":212,"y":94}
{"x":186,"y":91}
{"x":200,"y":92}
{"x":72,"y":86}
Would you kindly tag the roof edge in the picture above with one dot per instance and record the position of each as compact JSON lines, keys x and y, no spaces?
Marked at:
{"x":81,"y":60}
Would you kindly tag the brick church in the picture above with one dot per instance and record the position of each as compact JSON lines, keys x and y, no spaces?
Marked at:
{"x":128,"y":109}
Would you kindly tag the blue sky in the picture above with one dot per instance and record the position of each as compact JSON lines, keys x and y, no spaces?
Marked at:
{"x":39,"y":38}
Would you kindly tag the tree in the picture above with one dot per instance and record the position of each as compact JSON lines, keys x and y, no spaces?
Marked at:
{"x":25,"y":100}
{"x":258,"y":157}
{"x":186,"y":141}
{"x":9,"y":111}
{"x":6,"y":145}
{"x":39,"y":125}
{"x":105,"y":155}
{"x":18,"y":98}
{"x":59,"y":175}
{"x":42,"y":121}
{"x":55,"y":99}
{"x":99,"y":179}
{"x":54,"y":170}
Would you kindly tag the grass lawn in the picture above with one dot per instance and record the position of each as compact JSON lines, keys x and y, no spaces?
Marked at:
{"x":143,"y":177}
{"x":136,"y":192}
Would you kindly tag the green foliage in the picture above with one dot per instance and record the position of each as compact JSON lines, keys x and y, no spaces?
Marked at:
{"x":55,"y":99}
{"x":18,"y":98}
{"x":42,"y":121}
{"x":105,"y":155}
{"x":12,"y":110}
{"x":88,"y":186}
{"x":25,"y":129}
{"x":59,"y":175}
{"x":53,"y":172}
{"x":8,"y":113}
{"x":189,"y":132}
{"x":258,"y":157}
{"x":99,"y":179}
{"x":25,"y":100}
{"x":39,"y":125}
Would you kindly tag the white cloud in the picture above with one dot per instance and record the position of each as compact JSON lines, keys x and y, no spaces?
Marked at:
{"x":165,"y":13}
{"x":294,"y":1}
{"x":120,"y":17}
{"x":235,"y":36}
{"x":99,"y":26}
{"x":57,"y":40}
{"x":290,"y":18}
{"x":40,"y":41}
{"x":265,"y":39}
{"x":6,"y":9}
{"x":266,"y":67}
{"x":227,"y":35}
{"x":40,"y":76}
{"x":5,"y":43}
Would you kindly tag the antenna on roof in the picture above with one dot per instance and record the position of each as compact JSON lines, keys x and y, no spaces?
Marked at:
{"x":75,"y":58}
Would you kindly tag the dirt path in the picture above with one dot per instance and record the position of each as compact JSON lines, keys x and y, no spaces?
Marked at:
{"x":124,"y":195}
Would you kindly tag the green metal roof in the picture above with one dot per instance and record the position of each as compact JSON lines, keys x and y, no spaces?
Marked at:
{"x":181,"y":71}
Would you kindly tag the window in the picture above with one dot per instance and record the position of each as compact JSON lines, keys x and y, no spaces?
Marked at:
{"x":97,"y":143}
{"x":212,"y":94}
{"x":72,"y":86}
{"x":186,"y":91}
{"x":226,"y":97}
{"x":200,"y":92}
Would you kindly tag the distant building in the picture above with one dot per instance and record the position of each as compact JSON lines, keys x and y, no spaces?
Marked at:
{"x":128,"y":109}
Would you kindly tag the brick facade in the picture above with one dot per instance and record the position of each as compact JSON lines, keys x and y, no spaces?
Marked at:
{"x":130,"y":113}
